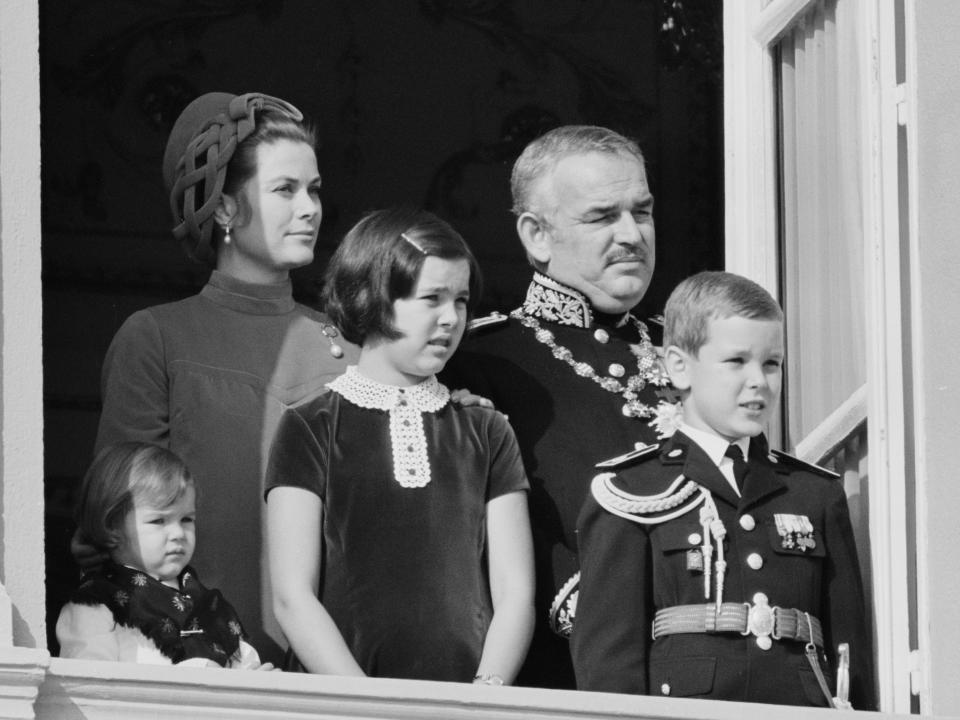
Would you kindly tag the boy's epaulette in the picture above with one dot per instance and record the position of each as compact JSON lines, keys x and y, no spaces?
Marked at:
{"x":641,"y":451}
{"x":679,"y":497}
{"x":492,"y":320}
{"x":776,"y":456}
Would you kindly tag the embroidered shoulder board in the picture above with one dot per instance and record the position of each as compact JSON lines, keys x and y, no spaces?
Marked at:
{"x":563,"y":609}
{"x":642,"y":451}
{"x":491,"y":320}
{"x":679,"y":498}
{"x":777,"y":456}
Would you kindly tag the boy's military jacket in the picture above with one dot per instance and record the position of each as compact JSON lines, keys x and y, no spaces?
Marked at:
{"x":649,"y":542}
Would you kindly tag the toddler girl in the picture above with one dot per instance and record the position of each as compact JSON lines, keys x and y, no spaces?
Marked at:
{"x":145,"y":604}
{"x":405,"y":513}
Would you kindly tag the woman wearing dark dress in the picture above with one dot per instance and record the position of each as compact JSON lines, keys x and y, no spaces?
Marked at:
{"x":397,"y":523}
{"x":209,"y":376}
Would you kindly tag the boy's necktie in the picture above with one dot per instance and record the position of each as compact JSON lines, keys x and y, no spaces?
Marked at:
{"x":739,"y":464}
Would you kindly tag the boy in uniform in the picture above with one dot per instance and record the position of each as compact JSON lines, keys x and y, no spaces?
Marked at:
{"x":710,"y":566}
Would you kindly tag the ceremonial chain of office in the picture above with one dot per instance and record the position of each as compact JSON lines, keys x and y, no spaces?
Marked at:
{"x":550,"y":300}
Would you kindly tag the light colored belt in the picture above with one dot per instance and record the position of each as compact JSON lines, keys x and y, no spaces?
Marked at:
{"x":759,"y":619}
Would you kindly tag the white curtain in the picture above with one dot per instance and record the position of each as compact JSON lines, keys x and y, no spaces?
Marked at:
{"x":822,"y":228}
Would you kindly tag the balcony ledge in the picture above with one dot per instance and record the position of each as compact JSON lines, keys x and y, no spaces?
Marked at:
{"x":87,"y":690}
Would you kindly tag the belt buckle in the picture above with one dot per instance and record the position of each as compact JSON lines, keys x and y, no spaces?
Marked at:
{"x":761,"y":621}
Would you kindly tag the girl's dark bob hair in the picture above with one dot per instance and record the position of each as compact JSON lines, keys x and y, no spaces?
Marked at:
{"x":379,"y":261}
{"x":120,"y":476}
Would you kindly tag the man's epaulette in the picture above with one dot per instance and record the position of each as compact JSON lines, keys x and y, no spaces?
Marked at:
{"x":492,"y":320}
{"x":783,"y":458}
{"x":641,"y":451}
{"x":563,"y":609}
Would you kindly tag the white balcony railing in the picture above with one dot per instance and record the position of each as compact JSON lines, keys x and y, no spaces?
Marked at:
{"x":75,"y":690}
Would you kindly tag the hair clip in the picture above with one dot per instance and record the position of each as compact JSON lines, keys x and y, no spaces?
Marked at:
{"x":417,"y":246}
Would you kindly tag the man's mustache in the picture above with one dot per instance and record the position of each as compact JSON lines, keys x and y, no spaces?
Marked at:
{"x":627,"y":257}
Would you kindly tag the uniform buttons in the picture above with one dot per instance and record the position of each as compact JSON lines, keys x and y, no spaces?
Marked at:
{"x":694,"y":539}
{"x":747,"y":522}
{"x":675,"y":453}
{"x":665,"y":689}
{"x":601,"y":335}
{"x":616,"y":370}
{"x":772,"y":458}
{"x":755,"y":561}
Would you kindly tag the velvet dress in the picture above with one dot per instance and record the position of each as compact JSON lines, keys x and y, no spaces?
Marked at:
{"x":208,"y":377}
{"x":404,"y":518}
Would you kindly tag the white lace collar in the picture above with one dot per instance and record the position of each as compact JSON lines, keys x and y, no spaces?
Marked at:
{"x":428,"y":396}
{"x":411,"y":464}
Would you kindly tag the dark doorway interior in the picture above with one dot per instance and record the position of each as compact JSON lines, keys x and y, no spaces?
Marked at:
{"x":425,"y":102}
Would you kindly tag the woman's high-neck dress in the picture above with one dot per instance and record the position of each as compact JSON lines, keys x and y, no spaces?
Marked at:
{"x":208,"y":377}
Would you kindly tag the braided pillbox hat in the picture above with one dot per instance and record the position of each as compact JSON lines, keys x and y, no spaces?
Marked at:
{"x":200,"y":146}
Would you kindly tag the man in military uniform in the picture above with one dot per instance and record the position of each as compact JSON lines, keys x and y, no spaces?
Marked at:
{"x":705,"y":574}
{"x":575,"y":372}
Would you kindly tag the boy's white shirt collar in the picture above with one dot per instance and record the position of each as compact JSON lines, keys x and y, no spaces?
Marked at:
{"x":716,"y":447}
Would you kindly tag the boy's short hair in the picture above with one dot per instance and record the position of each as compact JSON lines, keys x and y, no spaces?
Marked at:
{"x":709,"y":296}
{"x":379,"y":261}
{"x":121,"y":475}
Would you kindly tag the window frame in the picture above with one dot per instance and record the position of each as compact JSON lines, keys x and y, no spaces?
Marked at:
{"x":751,"y":31}
{"x":750,"y":27}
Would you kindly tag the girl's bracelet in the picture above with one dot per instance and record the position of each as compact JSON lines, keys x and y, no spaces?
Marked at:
{"x":487,"y":679}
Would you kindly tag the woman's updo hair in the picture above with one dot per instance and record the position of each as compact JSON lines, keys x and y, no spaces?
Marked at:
{"x":379,"y":261}
{"x":212,"y":150}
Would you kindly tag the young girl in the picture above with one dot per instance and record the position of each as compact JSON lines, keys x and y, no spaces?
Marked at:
{"x":425,"y":565}
{"x":145,"y":604}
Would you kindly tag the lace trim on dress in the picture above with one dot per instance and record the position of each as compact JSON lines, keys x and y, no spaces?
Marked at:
{"x":411,"y":464}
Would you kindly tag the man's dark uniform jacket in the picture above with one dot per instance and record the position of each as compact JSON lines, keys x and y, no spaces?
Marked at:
{"x":565,"y":422}
{"x":788,"y":538}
